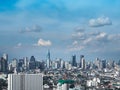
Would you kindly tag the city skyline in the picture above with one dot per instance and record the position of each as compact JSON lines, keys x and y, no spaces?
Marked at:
{"x":65,"y":27}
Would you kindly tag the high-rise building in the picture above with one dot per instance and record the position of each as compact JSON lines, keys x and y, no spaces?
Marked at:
{"x":14,"y":63}
{"x":5,"y":56}
{"x":119,"y":62}
{"x":104,"y":63}
{"x":97,"y":63}
{"x":58,"y":62}
{"x":25,"y":82}
{"x":82,"y":62}
{"x":48,"y":60}
{"x":20,"y":65}
{"x":4,"y":63}
{"x":26,"y":63}
{"x":32,"y":63}
{"x":113,"y":64}
{"x":74,"y":63}
{"x":42,"y":65}
{"x":81,"y":57}
{"x":68,"y":66}
{"x":62,"y":65}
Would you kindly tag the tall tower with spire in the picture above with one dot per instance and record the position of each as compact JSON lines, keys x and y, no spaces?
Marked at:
{"x":48,"y":59}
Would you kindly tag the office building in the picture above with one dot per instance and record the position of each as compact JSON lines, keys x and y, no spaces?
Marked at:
{"x":104,"y":64}
{"x":74,"y":63}
{"x":62,"y":65}
{"x":82,"y":62}
{"x":32,"y":63}
{"x":5,"y":56}
{"x":48,"y":60}
{"x":4,"y":63}
{"x":26,"y":63}
{"x":25,"y":82}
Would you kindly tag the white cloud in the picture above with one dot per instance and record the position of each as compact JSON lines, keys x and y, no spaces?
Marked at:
{"x":77,"y":48}
{"x":91,"y":39}
{"x":101,"y":21}
{"x":88,"y":40}
{"x":101,"y":35}
{"x":79,"y":34}
{"x":94,"y":33}
{"x":34,"y":28}
{"x":19,"y":44}
{"x":114,"y":37}
{"x":79,"y":29}
{"x":75,"y":42}
{"x":42,"y":42}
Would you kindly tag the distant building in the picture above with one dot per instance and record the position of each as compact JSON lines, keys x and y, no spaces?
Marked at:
{"x":81,"y":57}
{"x":64,"y":84}
{"x":68,"y":66}
{"x":20,"y":65}
{"x":93,"y":82}
{"x":14,"y":63}
{"x":48,"y":60}
{"x":55,"y":64}
{"x":32,"y":63}
{"x":97,"y":64}
{"x":4,"y":63}
{"x":119,"y":62}
{"x":42,"y":65}
{"x":82,"y":62}
{"x":74,"y":63}
{"x":104,"y":63}
{"x":25,"y":82}
{"x":62,"y":65}
{"x":5,"y":56}
{"x":26,"y":63}
{"x":113,"y":64}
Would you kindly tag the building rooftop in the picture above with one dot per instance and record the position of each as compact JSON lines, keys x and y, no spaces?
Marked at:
{"x":66,"y":81}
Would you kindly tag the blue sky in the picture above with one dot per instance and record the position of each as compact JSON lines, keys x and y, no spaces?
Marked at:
{"x":66,"y":27}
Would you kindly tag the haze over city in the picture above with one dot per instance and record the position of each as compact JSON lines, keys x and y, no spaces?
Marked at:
{"x":66,"y":27}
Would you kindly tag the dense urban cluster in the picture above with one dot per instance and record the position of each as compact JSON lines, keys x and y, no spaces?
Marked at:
{"x":59,"y":74}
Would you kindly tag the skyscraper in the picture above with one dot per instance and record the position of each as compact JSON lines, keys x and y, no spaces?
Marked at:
{"x":32,"y":63}
{"x":14,"y":63}
{"x":104,"y":63}
{"x":48,"y":60}
{"x":62,"y":65}
{"x":82,"y":62}
{"x":20,"y":65}
{"x":74,"y":63}
{"x":5,"y":56}
{"x":3,"y":63}
{"x":26,"y":63}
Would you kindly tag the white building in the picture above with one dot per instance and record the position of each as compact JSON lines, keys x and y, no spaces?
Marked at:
{"x":5,"y":56}
{"x":83,"y":65}
{"x":68,"y":66}
{"x":62,"y":86}
{"x":93,"y":82}
{"x":26,"y":63}
{"x":14,"y":63}
{"x":25,"y":82}
{"x":62,"y":64}
{"x":48,"y":60}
